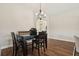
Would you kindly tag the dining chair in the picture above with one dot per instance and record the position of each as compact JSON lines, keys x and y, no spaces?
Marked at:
{"x":17,"y":45}
{"x":76,"y":47}
{"x":33,"y":31}
{"x":39,"y":42}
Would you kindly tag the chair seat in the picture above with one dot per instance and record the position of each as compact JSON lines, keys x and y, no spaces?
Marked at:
{"x":36,"y":41}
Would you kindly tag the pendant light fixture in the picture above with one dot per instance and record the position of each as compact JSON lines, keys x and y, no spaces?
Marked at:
{"x":40,"y":15}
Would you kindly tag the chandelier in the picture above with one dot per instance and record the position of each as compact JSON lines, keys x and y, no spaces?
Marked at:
{"x":40,"y":15}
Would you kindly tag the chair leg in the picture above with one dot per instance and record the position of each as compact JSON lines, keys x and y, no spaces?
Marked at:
{"x":38,"y":50}
{"x":13,"y":51}
{"x":32,"y":46}
{"x":46,"y":43}
{"x":16,"y":53}
{"x":24,"y":50}
{"x":41,"y":47}
{"x":44,"y":47}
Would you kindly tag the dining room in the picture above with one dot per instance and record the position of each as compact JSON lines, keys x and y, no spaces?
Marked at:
{"x":39,"y":29}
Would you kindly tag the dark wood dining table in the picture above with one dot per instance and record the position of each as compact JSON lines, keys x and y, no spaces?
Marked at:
{"x":24,"y":40}
{"x":27,"y":38}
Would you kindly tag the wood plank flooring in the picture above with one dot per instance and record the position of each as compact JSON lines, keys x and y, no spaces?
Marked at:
{"x":55,"y":48}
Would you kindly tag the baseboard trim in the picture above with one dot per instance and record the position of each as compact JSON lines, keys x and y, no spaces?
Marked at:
{"x":62,"y":39}
{"x":6,"y":46}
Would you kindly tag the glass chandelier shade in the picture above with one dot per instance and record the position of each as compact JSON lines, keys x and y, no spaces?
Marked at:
{"x":40,"y":14}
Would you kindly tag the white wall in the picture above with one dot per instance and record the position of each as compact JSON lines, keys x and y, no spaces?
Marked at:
{"x":63,"y":21}
{"x":16,"y":17}
{"x":13,"y":18}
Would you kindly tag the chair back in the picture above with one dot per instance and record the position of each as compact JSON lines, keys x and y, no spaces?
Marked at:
{"x":33,"y":31}
{"x":14,"y":40}
{"x":43,"y":34}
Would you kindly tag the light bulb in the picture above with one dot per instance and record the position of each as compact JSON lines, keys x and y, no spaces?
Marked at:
{"x":36,"y":14}
{"x":42,"y":12}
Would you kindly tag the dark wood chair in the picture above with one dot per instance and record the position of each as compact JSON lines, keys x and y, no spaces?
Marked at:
{"x":40,"y":42}
{"x":17,"y":45}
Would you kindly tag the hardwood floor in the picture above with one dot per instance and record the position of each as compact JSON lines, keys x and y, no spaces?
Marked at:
{"x":55,"y":48}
